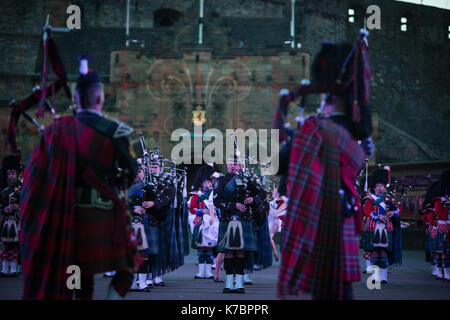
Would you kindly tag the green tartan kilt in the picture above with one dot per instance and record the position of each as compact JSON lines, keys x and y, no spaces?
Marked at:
{"x":250,"y":236}
{"x":368,"y":240}
{"x":152,"y":234}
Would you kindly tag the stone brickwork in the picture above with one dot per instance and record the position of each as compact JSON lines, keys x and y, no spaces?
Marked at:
{"x":410,"y":78}
{"x":159,"y":95}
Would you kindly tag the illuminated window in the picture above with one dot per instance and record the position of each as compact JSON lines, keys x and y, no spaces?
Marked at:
{"x":449,"y":32}
{"x":351,"y":15}
{"x":403,"y":26}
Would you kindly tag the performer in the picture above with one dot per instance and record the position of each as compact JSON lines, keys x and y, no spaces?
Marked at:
{"x":262,"y":257}
{"x":430,"y":225}
{"x":277,"y":212}
{"x":439,"y":231}
{"x":236,"y":197}
{"x":320,"y":247}
{"x":204,"y":237}
{"x":72,"y":204}
{"x":382,"y":214}
{"x":10,"y":215}
{"x":139,"y":228}
{"x":156,"y":201}
{"x":218,"y":256}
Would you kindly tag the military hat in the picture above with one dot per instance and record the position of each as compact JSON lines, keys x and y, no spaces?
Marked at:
{"x":203,"y":173}
{"x":379,"y":175}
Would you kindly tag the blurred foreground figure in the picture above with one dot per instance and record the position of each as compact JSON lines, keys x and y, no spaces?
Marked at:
{"x":320,"y":245}
{"x":72,"y":205}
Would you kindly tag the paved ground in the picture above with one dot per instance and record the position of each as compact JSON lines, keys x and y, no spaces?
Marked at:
{"x":411,"y":281}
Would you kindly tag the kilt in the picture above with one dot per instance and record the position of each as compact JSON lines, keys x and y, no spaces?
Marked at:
{"x":95,"y":250}
{"x":159,"y":260}
{"x":368,"y":241}
{"x":264,"y":256}
{"x":185,"y":226}
{"x":152,"y":234}
{"x":179,"y":234}
{"x":437,"y":244}
{"x":250,"y":238}
{"x":195,"y":237}
{"x":351,"y":251}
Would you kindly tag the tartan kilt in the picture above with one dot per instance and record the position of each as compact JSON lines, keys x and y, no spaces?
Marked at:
{"x":264,"y":256}
{"x":427,"y":239}
{"x":351,"y":251}
{"x":185,"y":226}
{"x":368,"y":241}
{"x":152,"y":234}
{"x":437,"y":244}
{"x":250,"y":238}
{"x":195,"y":237}
{"x":95,"y":250}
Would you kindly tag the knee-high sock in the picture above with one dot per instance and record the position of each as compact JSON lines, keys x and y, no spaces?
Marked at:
{"x":144,"y":267}
{"x":239,"y":265}
{"x":228,"y":264}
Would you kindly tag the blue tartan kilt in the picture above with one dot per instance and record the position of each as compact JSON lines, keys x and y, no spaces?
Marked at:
{"x":264,"y":256}
{"x":437,"y":244}
{"x":250,"y":237}
{"x":368,"y":241}
{"x":152,"y":234}
{"x":185,"y":226}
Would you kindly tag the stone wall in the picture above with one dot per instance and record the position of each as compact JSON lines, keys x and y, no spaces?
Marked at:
{"x":410,"y":78}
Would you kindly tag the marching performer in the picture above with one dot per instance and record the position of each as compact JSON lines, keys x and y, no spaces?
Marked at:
{"x":204,"y":237}
{"x":262,"y":258}
{"x":439,"y":226}
{"x":72,"y":184}
{"x":323,"y":216}
{"x":10,"y":215}
{"x":140,"y":226}
{"x":235,"y":197}
{"x":382,"y":217}
{"x":277,"y":212}
{"x":430,"y":225}
{"x":157,"y":200}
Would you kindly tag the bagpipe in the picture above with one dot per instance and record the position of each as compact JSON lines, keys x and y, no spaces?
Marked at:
{"x":353,"y":81}
{"x":152,"y":184}
{"x":169,"y":175}
{"x":399,"y":193}
{"x":253,"y":184}
{"x":43,"y":96}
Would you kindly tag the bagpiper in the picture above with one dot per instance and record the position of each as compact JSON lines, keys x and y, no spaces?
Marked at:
{"x":237,"y":199}
{"x":438,"y":221}
{"x":10,"y":214}
{"x":73,"y":202}
{"x":320,"y":246}
{"x":382,"y":225}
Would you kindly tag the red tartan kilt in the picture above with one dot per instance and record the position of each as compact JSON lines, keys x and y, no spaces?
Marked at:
{"x":352,"y":272}
{"x":95,"y":250}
